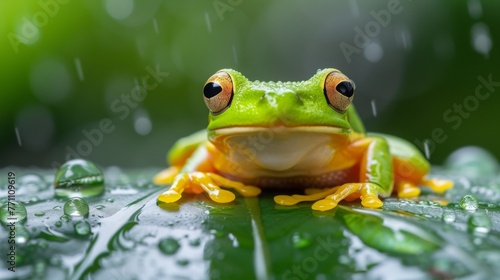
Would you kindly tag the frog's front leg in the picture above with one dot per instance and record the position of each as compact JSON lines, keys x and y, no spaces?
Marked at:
{"x":375,"y":177}
{"x":195,"y":177}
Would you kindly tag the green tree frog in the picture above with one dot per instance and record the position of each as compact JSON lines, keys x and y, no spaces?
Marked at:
{"x":292,"y":135}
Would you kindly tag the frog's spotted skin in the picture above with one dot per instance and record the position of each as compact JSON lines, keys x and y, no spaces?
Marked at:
{"x":291,"y":135}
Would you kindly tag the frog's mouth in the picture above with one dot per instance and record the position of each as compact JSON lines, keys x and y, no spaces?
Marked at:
{"x":281,"y":148}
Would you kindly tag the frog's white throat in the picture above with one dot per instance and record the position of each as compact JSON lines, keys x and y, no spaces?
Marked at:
{"x":278,"y":151}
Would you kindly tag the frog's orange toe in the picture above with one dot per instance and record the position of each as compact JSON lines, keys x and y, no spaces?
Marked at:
{"x":249,"y":191}
{"x":438,"y":185}
{"x":169,"y":196}
{"x":372,"y":202}
{"x":406,"y":189}
{"x":222,"y":196}
{"x":285,"y":200}
{"x":324,"y":204}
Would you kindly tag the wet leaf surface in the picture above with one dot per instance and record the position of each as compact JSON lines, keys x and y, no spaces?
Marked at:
{"x":128,"y":235}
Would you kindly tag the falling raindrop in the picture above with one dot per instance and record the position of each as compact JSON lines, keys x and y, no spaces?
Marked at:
{"x":475,"y":9}
{"x":301,"y":240}
{"x":155,"y":25}
{"x":426,"y":149}
{"x":481,"y":39}
{"x":405,"y":37}
{"x":76,"y":207}
{"x":373,"y":52}
{"x":169,"y":246}
{"x":18,"y":137}
{"x":82,"y":228}
{"x":13,"y":212}
{"x":79,"y":69}
{"x":469,"y":203}
{"x":207,"y":21}
{"x":374,"y":108}
{"x":479,"y":223}
{"x":79,"y":178}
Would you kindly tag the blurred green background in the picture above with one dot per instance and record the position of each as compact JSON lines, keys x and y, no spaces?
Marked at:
{"x":72,"y":71}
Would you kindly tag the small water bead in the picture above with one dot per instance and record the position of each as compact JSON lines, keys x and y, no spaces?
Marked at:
{"x":58,"y":223}
{"x":79,"y":178}
{"x":13,"y":212}
{"x":183,"y":262}
{"x":65,"y":218}
{"x":40,"y":214}
{"x":479,"y":223}
{"x":100,"y":207}
{"x":301,"y":240}
{"x":195,"y":242}
{"x":82,"y":228}
{"x":110,"y":200}
{"x":58,"y":207}
{"x":169,"y":246}
{"x":76,"y":207}
{"x":449,"y":216}
{"x":469,"y":203}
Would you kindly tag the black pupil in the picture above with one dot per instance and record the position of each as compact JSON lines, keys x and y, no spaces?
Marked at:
{"x":345,"y":88}
{"x":211,"y":89}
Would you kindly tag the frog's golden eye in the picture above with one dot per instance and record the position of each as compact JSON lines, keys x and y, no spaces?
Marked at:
{"x":218,"y":92}
{"x":339,"y":91}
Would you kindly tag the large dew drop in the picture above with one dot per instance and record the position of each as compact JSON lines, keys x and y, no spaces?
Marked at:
{"x":13,"y":212}
{"x":469,"y":203}
{"x":79,"y":178}
{"x":76,"y":207}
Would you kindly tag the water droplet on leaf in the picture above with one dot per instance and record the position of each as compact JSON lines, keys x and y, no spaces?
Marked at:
{"x":469,"y":203}
{"x":82,"y":228}
{"x":40,"y":214}
{"x":448,"y":216}
{"x":65,"y":218}
{"x":479,"y":223}
{"x":13,"y":212}
{"x":79,"y":178}
{"x":22,"y":235}
{"x":169,"y":246}
{"x":76,"y":207}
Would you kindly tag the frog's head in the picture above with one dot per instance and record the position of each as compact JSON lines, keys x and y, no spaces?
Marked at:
{"x":323,"y":100}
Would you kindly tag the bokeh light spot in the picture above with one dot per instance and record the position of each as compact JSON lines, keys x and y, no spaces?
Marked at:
{"x":119,"y":9}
